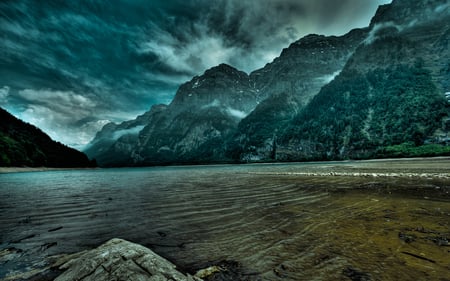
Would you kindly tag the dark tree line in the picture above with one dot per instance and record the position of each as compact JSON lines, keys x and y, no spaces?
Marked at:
{"x":22,"y":144}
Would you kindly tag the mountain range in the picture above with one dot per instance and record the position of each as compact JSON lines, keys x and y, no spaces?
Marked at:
{"x":379,"y":91}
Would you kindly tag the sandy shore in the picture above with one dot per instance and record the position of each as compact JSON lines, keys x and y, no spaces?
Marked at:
{"x":436,"y":167}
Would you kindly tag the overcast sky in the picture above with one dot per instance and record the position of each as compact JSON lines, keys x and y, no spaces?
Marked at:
{"x":69,"y":67}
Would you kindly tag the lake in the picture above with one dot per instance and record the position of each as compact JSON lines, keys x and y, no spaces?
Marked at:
{"x":354,"y":220}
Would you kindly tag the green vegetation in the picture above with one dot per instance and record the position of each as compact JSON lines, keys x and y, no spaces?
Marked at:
{"x":409,"y":149}
{"x":22,"y":144}
{"x":262,"y":127}
{"x":363,"y":116}
{"x":265,"y":121}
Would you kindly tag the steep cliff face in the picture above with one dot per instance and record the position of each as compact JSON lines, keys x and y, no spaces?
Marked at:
{"x":115,"y":142}
{"x":306,"y":65}
{"x":324,"y":98}
{"x":290,"y":82}
{"x":403,"y":12}
{"x":221,"y":86}
{"x":405,"y":31}
{"x":205,"y":110}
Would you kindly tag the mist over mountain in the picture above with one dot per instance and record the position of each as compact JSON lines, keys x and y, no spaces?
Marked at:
{"x":70,"y":67}
{"x":380,"y":91}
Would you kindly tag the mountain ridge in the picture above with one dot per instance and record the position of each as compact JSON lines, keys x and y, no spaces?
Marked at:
{"x":22,"y":144}
{"x":226,"y":115}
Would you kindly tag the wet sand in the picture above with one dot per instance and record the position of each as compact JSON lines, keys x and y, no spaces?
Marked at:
{"x":313,"y":221}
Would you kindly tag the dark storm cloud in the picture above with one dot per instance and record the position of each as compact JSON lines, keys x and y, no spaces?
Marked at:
{"x":71,"y":66}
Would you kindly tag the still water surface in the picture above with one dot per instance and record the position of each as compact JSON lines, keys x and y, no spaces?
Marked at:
{"x":276,"y":225}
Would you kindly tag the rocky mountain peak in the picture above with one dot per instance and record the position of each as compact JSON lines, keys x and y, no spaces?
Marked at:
{"x":307,"y":65}
{"x":409,"y":13}
{"x":320,"y":45}
{"x":225,"y":70}
{"x":311,"y":41}
{"x":405,"y":32}
{"x":220,"y":85}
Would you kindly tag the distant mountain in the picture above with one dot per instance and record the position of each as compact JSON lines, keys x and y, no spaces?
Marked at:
{"x":22,"y":144}
{"x":374,"y":92}
{"x":205,"y":110}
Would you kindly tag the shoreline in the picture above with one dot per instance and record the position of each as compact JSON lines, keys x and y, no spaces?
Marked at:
{"x":342,"y":164}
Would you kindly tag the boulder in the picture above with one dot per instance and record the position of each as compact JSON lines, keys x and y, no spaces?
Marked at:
{"x":118,"y":259}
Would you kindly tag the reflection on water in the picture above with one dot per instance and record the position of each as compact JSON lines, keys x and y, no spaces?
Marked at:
{"x":278,"y":227}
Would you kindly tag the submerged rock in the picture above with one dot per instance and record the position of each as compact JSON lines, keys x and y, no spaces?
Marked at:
{"x":226,"y":270}
{"x":118,"y":259}
{"x":204,"y":273}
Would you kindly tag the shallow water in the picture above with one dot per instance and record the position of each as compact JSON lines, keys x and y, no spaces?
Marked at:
{"x":277,"y":225}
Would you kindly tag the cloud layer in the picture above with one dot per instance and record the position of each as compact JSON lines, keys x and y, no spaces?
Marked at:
{"x":70,"y":66}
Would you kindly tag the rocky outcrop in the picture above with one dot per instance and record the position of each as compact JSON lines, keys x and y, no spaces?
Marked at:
{"x":307,"y":65}
{"x":118,"y":259}
{"x":221,"y":86}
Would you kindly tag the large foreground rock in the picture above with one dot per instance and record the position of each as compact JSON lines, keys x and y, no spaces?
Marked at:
{"x":118,"y":259}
